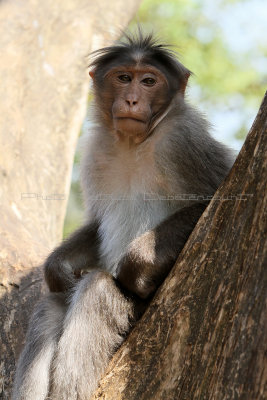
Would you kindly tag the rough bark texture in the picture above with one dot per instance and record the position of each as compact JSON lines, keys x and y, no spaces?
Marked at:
{"x":204,"y":335}
{"x":43,"y":94}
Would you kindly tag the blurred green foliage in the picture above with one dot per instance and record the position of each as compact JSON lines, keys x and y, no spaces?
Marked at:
{"x":228,"y":81}
{"x":199,"y":39}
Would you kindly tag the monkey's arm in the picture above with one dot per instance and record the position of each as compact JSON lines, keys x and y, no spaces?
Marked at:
{"x":77,"y":253}
{"x":151,"y":256}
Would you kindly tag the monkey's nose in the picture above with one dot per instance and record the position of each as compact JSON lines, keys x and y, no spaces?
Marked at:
{"x":131,"y":103}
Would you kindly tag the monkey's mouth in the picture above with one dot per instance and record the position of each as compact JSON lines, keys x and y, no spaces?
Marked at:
{"x":130,"y":118}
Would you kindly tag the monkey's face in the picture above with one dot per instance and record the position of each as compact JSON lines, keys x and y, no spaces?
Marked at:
{"x":133,"y":98}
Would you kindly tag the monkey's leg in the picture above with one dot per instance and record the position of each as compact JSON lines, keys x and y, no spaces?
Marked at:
{"x":94,"y":327}
{"x":33,"y":369}
{"x":151,"y":256}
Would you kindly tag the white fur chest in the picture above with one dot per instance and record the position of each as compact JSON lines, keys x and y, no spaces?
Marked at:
{"x":123,"y":187}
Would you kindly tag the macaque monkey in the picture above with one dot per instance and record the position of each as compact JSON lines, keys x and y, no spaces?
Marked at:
{"x":149,"y":169}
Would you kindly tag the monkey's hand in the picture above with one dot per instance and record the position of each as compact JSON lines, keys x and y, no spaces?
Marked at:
{"x":59,"y":274}
{"x":142,"y":269}
{"x":76,"y":255}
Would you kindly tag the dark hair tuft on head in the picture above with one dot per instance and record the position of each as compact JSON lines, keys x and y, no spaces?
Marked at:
{"x":149,"y":51}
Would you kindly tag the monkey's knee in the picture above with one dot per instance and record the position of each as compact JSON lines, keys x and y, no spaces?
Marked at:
{"x":96,"y":287}
{"x":97,"y":283}
{"x":103,"y":283}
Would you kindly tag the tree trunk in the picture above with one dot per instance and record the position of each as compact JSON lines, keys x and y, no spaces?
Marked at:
{"x":43,"y":95}
{"x":204,"y":335}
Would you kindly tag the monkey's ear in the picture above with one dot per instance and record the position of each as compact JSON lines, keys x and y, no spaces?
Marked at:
{"x":92,"y":73}
{"x":184,"y":83}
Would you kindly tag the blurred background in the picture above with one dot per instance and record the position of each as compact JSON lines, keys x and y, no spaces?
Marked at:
{"x":224,"y":43}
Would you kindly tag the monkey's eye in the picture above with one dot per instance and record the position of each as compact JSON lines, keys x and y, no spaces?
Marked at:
{"x":124,"y":78}
{"x":149,"y":81}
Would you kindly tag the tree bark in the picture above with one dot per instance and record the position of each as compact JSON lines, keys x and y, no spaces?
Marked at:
{"x":204,"y":335}
{"x":43,"y":95}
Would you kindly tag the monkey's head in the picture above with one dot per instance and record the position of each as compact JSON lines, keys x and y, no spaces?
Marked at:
{"x":135,"y":82}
